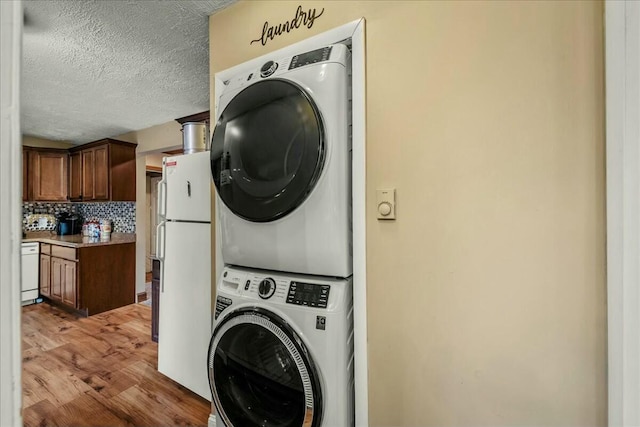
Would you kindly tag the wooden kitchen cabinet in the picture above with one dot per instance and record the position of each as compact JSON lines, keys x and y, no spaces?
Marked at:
{"x":56,"y":278}
{"x":45,"y":275}
{"x":87,"y":176}
{"x":45,"y":174}
{"x":25,"y":175}
{"x":63,"y":281}
{"x":88,"y":279}
{"x":69,"y":283}
{"x":103,"y":170}
{"x":75,"y":176}
{"x":63,"y":267}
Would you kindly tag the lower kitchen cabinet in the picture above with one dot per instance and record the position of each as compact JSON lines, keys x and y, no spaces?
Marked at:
{"x":63,"y":281}
{"x":89,"y":279}
{"x":45,"y":274}
{"x":69,"y":283}
{"x":56,"y":278}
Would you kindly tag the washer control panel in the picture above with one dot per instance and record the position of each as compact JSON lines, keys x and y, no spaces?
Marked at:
{"x":318,"y":55}
{"x":309,"y":294}
{"x":242,"y":285}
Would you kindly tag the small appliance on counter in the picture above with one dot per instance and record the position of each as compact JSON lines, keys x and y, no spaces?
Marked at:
{"x":68,"y":223}
{"x":97,"y":229}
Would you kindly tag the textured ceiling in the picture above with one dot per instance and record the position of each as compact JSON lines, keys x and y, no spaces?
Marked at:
{"x":97,"y":69}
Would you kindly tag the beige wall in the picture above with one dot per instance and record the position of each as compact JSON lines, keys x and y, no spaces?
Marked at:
{"x":154,"y":160}
{"x":33,"y":141}
{"x":486,"y":298}
{"x":156,"y":138}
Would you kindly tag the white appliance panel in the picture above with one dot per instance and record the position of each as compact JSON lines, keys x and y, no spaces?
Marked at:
{"x":185,"y":305}
{"x":316,"y":237}
{"x":186,"y":187}
{"x":330,"y":349}
{"x":30,"y":268}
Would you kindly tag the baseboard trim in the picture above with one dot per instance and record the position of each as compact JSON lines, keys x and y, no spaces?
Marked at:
{"x":142,"y":296}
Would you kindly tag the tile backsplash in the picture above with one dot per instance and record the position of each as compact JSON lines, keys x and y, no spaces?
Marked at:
{"x":121,"y":214}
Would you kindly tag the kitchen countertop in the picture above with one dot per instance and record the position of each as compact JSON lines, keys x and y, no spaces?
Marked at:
{"x":77,"y":240}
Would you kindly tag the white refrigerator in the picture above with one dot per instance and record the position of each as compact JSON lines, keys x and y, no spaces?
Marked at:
{"x":183,"y":246}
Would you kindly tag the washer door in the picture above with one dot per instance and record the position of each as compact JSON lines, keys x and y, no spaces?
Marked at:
{"x":261,"y":374}
{"x":267,"y":150}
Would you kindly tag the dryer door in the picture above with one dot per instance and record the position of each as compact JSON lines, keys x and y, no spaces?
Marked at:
{"x":267,"y":150}
{"x":261,"y":374}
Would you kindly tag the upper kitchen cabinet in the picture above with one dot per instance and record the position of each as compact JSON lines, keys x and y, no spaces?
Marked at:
{"x":75,"y":175}
{"x":103,"y":170}
{"x":25,"y":175}
{"x":44,"y":174}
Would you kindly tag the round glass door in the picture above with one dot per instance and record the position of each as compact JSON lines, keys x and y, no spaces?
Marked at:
{"x":267,"y":150}
{"x":261,"y":375}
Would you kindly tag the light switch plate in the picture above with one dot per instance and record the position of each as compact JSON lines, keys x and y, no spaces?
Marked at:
{"x":386,"y":203}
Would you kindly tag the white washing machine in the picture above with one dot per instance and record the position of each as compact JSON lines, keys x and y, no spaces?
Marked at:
{"x":281,"y":163}
{"x":281,"y":353}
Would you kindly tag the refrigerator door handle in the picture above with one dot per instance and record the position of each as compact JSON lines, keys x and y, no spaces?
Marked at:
{"x":162,"y":199}
{"x":160,"y":242}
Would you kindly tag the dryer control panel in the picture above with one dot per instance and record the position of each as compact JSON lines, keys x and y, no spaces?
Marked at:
{"x":318,"y":55}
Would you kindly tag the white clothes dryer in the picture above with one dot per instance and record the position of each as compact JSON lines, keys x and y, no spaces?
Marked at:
{"x":281,"y":163}
{"x":281,"y":353}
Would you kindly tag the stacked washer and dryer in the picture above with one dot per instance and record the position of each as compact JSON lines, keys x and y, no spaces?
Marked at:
{"x":281,"y":352}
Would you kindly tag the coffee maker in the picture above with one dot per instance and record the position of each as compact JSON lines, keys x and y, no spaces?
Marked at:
{"x":68,"y":223}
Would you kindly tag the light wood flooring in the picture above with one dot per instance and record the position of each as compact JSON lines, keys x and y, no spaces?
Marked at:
{"x":99,"y":371}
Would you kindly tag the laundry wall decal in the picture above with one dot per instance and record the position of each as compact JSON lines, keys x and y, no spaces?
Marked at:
{"x":302,"y":18}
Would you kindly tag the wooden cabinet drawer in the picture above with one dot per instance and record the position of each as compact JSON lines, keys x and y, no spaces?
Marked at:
{"x":64,"y":252}
{"x":45,"y":248}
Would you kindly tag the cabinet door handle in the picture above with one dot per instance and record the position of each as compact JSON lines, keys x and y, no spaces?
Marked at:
{"x":189,"y":188}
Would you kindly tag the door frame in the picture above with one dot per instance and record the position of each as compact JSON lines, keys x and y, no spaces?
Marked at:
{"x":10,"y":212}
{"x":622,"y":61}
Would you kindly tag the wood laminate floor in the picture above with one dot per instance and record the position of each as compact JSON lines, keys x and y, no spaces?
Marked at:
{"x":99,"y":371}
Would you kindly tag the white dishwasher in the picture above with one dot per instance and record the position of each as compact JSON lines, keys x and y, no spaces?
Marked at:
{"x":30,"y":269}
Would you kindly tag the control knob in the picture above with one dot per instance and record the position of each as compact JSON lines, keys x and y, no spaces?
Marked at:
{"x":268,"y":68}
{"x":267,"y":288}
